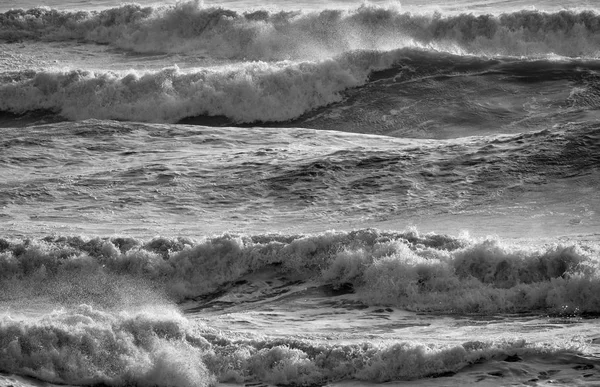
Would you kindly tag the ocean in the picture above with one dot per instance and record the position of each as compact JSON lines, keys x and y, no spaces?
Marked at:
{"x":300,"y":193}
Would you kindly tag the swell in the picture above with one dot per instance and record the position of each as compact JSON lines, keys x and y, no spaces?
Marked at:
{"x":88,"y":346}
{"x":263,"y":35}
{"x":96,"y":172}
{"x":432,"y":273}
{"x":263,"y":92}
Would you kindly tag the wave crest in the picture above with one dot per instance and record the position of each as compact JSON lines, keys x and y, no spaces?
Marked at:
{"x":262,"y":35}
{"x":258,"y":91}
{"x":419,"y":272}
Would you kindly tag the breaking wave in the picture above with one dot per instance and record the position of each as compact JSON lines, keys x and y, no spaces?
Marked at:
{"x":87,"y":346}
{"x":262,"y":35}
{"x":95,"y":337}
{"x":417,"y":272}
{"x":261,"y":92}
{"x":253,"y":92}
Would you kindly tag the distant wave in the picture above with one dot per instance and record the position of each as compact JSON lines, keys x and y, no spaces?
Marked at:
{"x":417,"y":272}
{"x":262,"y":35}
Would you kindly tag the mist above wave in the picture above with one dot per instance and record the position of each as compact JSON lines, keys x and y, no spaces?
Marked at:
{"x":262,"y":35}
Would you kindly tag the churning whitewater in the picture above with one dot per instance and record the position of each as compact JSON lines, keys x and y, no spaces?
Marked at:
{"x":307,"y":194}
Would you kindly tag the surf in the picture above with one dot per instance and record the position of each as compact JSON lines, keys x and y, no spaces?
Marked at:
{"x":264,"y":35}
{"x":306,"y":93}
{"x":358,"y":278}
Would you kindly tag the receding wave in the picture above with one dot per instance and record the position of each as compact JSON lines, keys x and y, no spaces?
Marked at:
{"x":262,"y":35}
{"x":418,"y":272}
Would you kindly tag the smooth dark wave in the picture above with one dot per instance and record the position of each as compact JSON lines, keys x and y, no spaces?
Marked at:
{"x":263,"y":35}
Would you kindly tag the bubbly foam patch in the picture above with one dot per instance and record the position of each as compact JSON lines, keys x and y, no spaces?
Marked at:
{"x":88,"y":346}
{"x":254,"y":92}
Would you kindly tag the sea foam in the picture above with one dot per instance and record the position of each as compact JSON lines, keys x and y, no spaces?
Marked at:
{"x":84,"y":345}
{"x":422,"y":273}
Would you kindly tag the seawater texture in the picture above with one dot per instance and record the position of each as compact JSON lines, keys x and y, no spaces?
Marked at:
{"x":145,"y":179}
{"x":344,"y":195}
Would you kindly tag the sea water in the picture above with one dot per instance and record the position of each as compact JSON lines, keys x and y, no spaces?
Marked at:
{"x":299,"y":193}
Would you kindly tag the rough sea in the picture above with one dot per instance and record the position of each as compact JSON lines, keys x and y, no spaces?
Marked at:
{"x":300,"y":193}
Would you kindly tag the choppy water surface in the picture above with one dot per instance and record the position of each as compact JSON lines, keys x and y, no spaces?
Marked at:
{"x":299,"y":194}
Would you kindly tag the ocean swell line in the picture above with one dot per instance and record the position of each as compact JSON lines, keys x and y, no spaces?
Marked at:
{"x":262,"y":35}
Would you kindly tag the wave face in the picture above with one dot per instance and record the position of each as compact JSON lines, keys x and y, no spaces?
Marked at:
{"x":263,"y":35}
